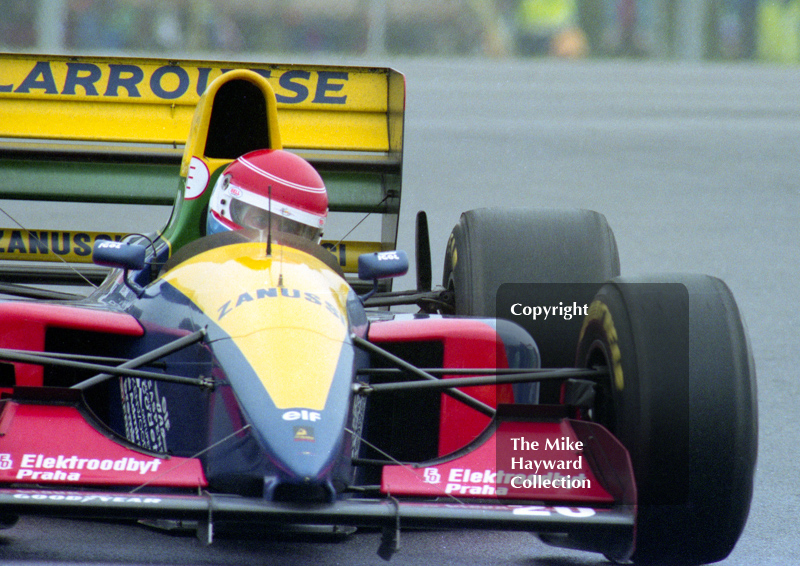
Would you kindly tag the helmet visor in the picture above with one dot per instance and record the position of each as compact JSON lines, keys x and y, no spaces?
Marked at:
{"x":248,"y":215}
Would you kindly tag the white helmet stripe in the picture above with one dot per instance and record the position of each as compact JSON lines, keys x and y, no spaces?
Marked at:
{"x":277,"y":179}
{"x":276,"y":207}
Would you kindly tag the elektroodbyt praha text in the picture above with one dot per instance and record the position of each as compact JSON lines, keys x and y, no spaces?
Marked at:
{"x":537,"y":312}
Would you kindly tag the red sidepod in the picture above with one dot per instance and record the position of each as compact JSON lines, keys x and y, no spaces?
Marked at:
{"x":25,"y":326}
{"x":467,"y":343}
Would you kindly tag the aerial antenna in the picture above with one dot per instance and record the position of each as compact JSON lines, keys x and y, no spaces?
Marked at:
{"x":280,"y":273}
{"x":269,"y":235}
{"x":269,"y":221}
{"x":387,"y":197}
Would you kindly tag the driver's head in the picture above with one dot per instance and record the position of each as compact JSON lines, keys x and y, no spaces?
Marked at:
{"x":264,"y":181}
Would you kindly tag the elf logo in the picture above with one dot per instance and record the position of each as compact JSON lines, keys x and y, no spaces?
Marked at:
{"x":302,"y":415}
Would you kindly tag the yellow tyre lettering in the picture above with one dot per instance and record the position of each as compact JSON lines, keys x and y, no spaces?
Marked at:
{"x":451,"y":248}
{"x":599,"y":312}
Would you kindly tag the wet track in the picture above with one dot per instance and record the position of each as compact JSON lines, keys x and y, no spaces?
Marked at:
{"x":696,"y":169}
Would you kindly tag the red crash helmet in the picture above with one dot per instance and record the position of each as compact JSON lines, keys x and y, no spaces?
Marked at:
{"x":265,"y":181}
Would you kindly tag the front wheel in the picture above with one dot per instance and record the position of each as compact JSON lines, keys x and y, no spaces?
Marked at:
{"x":681,"y":397}
{"x":540,"y":247}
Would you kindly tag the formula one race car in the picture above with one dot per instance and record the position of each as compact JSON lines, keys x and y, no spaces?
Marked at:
{"x":253,"y":376}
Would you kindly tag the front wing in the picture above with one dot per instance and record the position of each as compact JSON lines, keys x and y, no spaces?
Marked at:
{"x":107,"y":485}
{"x":606,"y":530}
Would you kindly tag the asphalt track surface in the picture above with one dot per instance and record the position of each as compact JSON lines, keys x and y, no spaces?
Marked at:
{"x":695,"y":168}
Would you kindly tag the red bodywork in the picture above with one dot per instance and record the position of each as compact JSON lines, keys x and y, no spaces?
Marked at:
{"x":498,"y":468}
{"x":467,"y":344}
{"x":587,"y":465}
{"x":55,"y":444}
{"x":25,"y":326}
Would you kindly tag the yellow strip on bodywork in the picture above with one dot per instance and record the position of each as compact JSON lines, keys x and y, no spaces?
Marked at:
{"x":291,"y":334}
{"x":75,"y":246}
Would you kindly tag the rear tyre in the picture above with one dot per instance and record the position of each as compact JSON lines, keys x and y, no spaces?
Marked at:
{"x":681,"y":397}
{"x":494,"y":246}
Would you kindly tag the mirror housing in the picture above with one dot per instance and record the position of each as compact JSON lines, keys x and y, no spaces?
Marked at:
{"x":119,"y":255}
{"x":382,"y":265}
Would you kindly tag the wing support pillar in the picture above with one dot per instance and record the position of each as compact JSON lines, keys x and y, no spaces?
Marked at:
{"x":205,"y":527}
{"x":390,"y":535}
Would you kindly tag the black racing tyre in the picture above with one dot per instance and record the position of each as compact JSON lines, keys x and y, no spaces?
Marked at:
{"x":490,"y":247}
{"x":681,"y":397}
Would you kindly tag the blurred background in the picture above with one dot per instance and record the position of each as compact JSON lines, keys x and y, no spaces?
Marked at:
{"x":767,"y":30}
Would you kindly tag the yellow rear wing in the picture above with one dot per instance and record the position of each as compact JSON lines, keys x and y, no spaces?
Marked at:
{"x":152,"y":101}
{"x":97,"y":129}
